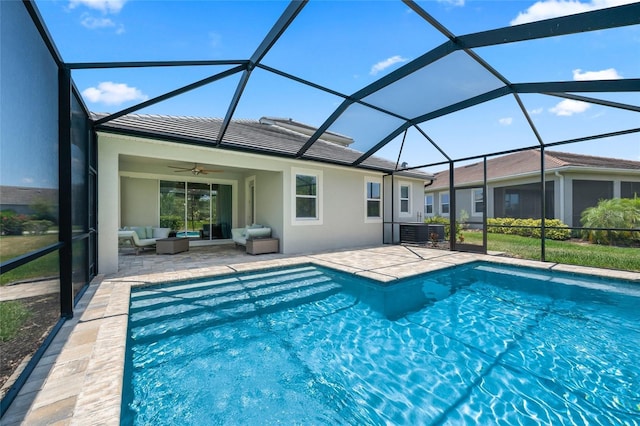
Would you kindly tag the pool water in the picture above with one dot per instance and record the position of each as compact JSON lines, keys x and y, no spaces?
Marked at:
{"x":189,"y":234}
{"x":475,"y":344}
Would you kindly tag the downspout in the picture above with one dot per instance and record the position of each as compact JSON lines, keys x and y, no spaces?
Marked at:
{"x":561,"y":195}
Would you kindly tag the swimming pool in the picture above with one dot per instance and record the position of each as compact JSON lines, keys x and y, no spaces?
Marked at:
{"x":475,"y":344}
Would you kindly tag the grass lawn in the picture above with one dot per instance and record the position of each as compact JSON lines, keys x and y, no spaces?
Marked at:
{"x":12,"y":315}
{"x":13,"y":246}
{"x":568,"y":252}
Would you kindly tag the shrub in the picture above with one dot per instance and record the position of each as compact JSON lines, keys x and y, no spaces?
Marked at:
{"x":529,"y":227}
{"x":11,"y":223}
{"x":43,"y":210}
{"x":173,"y":222}
{"x":37,"y":227}
{"x":618,"y":213}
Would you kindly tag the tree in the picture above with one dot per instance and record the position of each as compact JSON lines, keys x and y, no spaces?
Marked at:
{"x":617,"y":213}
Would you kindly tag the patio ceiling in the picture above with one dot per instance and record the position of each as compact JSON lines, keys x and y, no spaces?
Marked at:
{"x":456,"y":76}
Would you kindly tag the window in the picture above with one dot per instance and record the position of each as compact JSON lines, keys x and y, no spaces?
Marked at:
{"x":373,"y":199}
{"x":405,"y":199}
{"x":523,"y":201}
{"x":511,"y":203}
{"x":428,"y":205}
{"x":477,"y":202}
{"x":307,"y":205}
{"x":444,"y":203}
{"x":629,"y":189}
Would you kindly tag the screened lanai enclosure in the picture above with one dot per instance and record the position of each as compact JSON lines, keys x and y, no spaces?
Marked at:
{"x":450,"y":89}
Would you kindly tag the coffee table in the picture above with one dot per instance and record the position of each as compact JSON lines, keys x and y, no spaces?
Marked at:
{"x":172,"y":245}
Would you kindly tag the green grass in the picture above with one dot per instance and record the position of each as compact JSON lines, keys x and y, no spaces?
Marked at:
{"x":14,"y":246}
{"x":568,"y":252}
{"x":12,"y":315}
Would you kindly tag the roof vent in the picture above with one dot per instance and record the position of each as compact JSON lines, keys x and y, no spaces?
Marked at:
{"x":305,"y":129}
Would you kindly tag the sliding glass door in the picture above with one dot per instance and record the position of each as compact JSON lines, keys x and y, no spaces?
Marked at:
{"x":172,"y":205}
{"x":196,"y":210}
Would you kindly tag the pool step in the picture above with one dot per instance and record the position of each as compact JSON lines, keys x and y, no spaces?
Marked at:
{"x":182,"y":307}
{"x":154,"y":302}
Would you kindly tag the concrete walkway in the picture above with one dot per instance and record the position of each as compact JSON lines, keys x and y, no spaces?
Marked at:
{"x":79,"y":379}
{"x":29,"y":289}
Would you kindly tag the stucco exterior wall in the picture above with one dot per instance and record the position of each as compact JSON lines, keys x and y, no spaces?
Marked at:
{"x":392,"y":210}
{"x":342,"y":223}
{"x":269,"y":202}
{"x":139,"y":198}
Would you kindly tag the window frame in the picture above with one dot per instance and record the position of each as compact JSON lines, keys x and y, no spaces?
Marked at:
{"x":306,"y":221}
{"x":407,"y":213}
{"x":433,"y":199}
{"x":448,"y":203}
{"x":475,"y":212}
{"x":367,"y":181}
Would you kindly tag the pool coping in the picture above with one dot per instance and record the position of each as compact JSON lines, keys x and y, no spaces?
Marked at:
{"x":79,"y":379}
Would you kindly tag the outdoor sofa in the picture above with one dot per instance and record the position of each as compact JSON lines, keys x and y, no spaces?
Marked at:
{"x":241,"y":235}
{"x":141,"y":237}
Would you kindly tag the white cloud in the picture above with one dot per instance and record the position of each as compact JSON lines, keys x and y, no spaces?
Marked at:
{"x":569,"y":107}
{"x":608,"y":74}
{"x":506,"y":121}
{"x":546,"y":9}
{"x":536,"y":111}
{"x":105,"y":6}
{"x":94,"y":23}
{"x":453,"y":2}
{"x":382,"y":65}
{"x":111,"y":93}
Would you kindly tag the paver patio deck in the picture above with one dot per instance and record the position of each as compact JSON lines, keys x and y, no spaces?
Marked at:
{"x":79,"y":379}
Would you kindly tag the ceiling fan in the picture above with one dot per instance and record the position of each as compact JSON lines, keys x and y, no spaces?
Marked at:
{"x":195,"y":170}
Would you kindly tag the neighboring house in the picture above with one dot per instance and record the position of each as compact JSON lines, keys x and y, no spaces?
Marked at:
{"x":319,"y":203}
{"x":573,"y":182}
{"x":23,"y":200}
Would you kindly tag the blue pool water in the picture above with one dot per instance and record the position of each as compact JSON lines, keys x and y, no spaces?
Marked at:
{"x":190,"y":234}
{"x":475,"y":344}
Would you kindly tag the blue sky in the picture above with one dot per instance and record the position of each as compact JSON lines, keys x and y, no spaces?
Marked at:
{"x":346,"y":45}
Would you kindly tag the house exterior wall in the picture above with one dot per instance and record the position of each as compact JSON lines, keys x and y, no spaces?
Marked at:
{"x":614,"y":177}
{"x":342,"y":221}
{"x":269,"y":202}
{"x":393,"y":210}
{"x":139,"y":198}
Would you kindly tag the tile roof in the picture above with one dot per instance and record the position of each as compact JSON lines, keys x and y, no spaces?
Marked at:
{"x":244,"y":135}
{"x":21,"y":195}
{"x":525,"y":162}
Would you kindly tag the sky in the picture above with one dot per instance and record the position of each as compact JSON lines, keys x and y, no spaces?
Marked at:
{"x":344,"y":46}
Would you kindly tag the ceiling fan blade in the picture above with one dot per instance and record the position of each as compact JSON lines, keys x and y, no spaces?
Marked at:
{"x":180,"y":168}
{"x":211,"y":171}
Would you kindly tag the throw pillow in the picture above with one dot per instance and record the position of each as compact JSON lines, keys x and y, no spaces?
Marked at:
{"x":161,"y":232}
{"x":142,"y":232}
